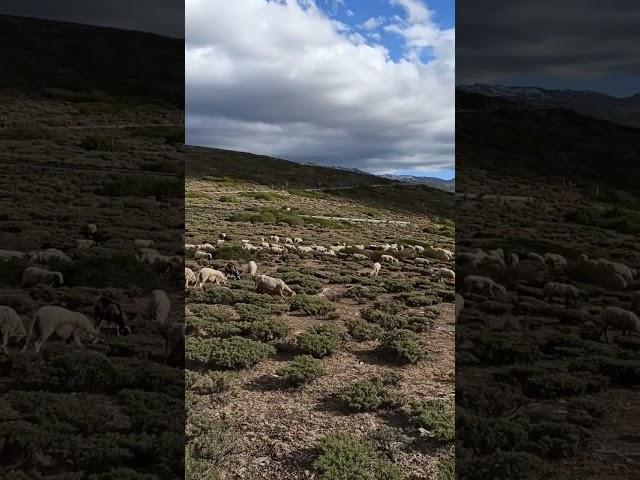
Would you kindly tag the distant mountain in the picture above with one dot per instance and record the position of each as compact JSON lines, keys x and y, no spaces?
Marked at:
{"x":435,"y":182}
{"x":625,"y":110}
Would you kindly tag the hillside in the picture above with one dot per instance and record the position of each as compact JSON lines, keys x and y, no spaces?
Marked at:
{"x":435,"y":182}
{"x":45,"y":54}
{"x":231,"y":167}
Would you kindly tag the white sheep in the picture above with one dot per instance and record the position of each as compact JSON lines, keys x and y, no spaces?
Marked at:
{"x":275,"y":238}
{"x":159,"y":306}
{"x":536,"y":258}
{"x":144,"y":243}
{"x":190,"y":246}
{"x":441,"y":254}
{"x":148,"y":255}
{"x":297,"y":240}
{"x":459,"y":304}
{"x":189,"y":277}
{"x":513,"y":259}
{"x":49,"y":254}
{"x":35,"y":275}
{"x":252,"y":268}
{"x":273,"y":286}
{"x":389,"y":259}
{"x":11,"y":326}
{"x":445,"y":273}
{"x":65,"y":323}
{"x":375,"y":269}
{"x":620,"y":319}
{"x":359,"y":256}
{"x":482,"y":285}
{"x":305,"y":249}
{"x":223,"y":236}
{"x":206,"y":246}
{"x":569,"y":293}
{"x":288,"y":240}
{"x":83,"y":243}
{"x":9,"y":254}
{"x":421,"y":261}
{"x":555,"y":261}
{"x":211,"y":275}
{"x":202,"y":255}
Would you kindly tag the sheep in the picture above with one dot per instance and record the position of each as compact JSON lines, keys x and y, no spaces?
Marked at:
{"x":174,"y":345}
{"x":210,"y":275}
{"x":49,"y":254}
{"x":555,"y":261}
{"x":563,"y":290}
{"x":220,"y":242}
{"x":441,"y":254}
{"x":223,"y":236}
{"x":513,"y":259}
{"x":158,"y":306}
{"x":148,"y":255}
{"x":11,"y":326}
{"x":143,"y":243}
{"x":330,"y":253}
{"x":189,"y":277}
{"x":202,"y":255}
{"x":389,"y":259}
{"x":305,"y":249}
{"x":110,"y":312}
{"x":375,"y":269}
{"x":206,"y":246}
{"x":618,"y":268}
{"x":419,"y":248}
{"x":82,"y":243}
{"x":359,"y":247}
{"x":35,"y":275}
{"x":620,"y":319}
{"x":445,"y":273}
{"x":297,"y":240}
{"x":482,"y":285}
{"x":536,"y":258}
{"x":231,"y":271}
{"x":9,"y":254}
{"x":65,"y":323}
{"x":275,"y":238}
{"x":459,"y":304}
{"x":319,"y":248}
{"x":273,"y":286}
{"x":91,"y":229}
{"x":288,"y":240}
{"x":252,"y":268}
{"x":190,"y":246}
{"x":359,"y":256}
{"x":421,"y":261}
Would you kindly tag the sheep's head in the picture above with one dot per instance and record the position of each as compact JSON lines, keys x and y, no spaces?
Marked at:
{"x":59,"y":279}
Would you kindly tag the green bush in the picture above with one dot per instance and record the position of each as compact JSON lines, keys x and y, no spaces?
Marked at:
{"x":447,"y":468}
{"x":227,"y":199}
{"x":437,"y":417}
{"x":321,"y":340}
{"x":562,"y":384}
{"x":343,"y":457}
{"x":302,"y":369}
{"x":234,"y":352}
{"x":267,"y":330}
{"x":312,"y":305}
{"x":207,"y":383}
{"x":210,"y":448}
{"x":367,"y":396}
{"x":362,"y":330}
{"x":403,"y":345}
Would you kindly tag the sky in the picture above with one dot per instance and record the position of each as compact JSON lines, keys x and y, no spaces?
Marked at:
{"x":573,"y":44}
{"x":365,"y":84}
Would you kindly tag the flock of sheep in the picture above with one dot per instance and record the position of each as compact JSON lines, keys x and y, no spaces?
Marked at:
{"x":67,"y":324}
{"x":552,"y":267}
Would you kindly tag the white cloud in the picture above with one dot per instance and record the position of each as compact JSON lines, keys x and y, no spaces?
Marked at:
{"x":284,"y":79}
{"x":373,"y":23}
{"x":417,"y":11}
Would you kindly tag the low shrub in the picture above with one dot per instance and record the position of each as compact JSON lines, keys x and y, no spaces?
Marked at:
{"x":402,"y":345}
{"x":207,"y":383}
{"x":267,"y":330}
{"x":310,"y":305}
{"x":210,"y":448}
{"x":143,"y":186}
{"x":447,"y":468}
{"x":348,"y":457}
{"x":234,"y":352}
{"x":367,"y":396}
{"x":302,"y":369}
{"x":436,"y":417}
{"x":227,"y":199}
{"x":362,"y":330}
{"x":320,"y":341}
{"x":562,"y":384}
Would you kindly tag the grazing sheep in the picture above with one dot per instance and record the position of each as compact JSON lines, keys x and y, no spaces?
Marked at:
{"x":210,"y":275}
{"x":202,"y":255}
{"x":9,"y":254}
{"x":91,"y":229}
{"x":441,"y":254}
{"x":148,"y":255}
{"x":513,"y":259}
{"x":189,"y":277}
{"x":536,"y":258}
{"x":389,"y":259}
{"x":482,"y":285}
{"x":110,"y":312}
{"x":143,"y":243}
{"x":273,"y":286}
{"x":305,"y":249}
{"x":459,"y":304}
{"x":49,"y":254}
{"x":359,"y":256}
{"x":231,"y":271}
{"x":555,"y":261}
{"x":421,"y":261}
{"x":419,"y":248}
{"x":220,"y":242}
{"x":65,"y":323}
{"x":562,"y":290}
{"x":288,"y":240}
{"x":223,"y":236}
{"x":190,"y":246}
{"x":11,"y":326}
{"x":174,"y":345}
{"x":82,"y":243}
{"x":275,"y":238}
{"x":375,"y":269}
{"x":35,"y":275}
{"x":620,"y":319}
{"x":252,"y":268}
{"x":206,"y":246}
{"x":297,"y":240}
{"x":445,"y":273}
{"x":158,"y":306}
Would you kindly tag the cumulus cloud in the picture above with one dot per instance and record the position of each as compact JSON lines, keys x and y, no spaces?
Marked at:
{"x":283,"y":79}
{"x":373,"y":23}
